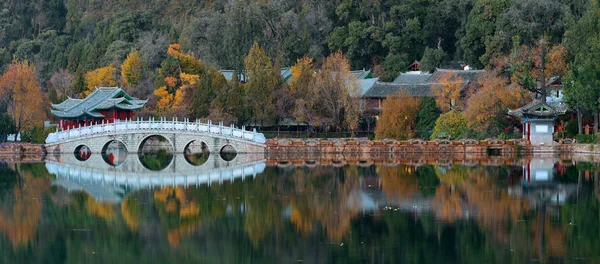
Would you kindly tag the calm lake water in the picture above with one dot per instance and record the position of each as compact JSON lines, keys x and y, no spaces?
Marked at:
{"x":163,"y":208}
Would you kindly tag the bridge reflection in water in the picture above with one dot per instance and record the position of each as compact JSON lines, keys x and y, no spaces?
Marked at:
{"x":108,"y":183}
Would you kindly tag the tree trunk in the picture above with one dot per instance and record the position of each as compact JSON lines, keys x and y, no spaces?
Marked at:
{"x":579,"y":124}
{"x":543,"y":68}
{"x":595,"y":122}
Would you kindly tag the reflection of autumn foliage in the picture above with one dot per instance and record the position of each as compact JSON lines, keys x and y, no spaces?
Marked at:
{"x":452,"y":175}
{"x":326,"y":198}
{"x":554,"y":235}
{"x":398,"y":182}
{"x":494,"y":207}
{"x":447,"y":204}
{"x":105,"y":211}
{"x":131,"y":213}
{"x":20,"y":225}
{"x":171,"y":202}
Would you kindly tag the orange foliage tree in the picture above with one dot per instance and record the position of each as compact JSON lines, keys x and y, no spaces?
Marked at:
{"x":447,"y":91}
{"x":20,"y":92}
{"x":398,"y":116}
{"x":337,"y":93}
{"x":175,"y":94}
{"x":101,"y":77}
{"x":494,"y":97}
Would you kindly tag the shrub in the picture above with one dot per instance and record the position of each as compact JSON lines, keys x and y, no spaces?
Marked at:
{"x":571,"y":129}
{"x":451,"y":124}
{"x":36,"y":135}
{"x":585,"y":139}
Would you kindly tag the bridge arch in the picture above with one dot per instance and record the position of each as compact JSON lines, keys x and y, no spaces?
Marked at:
{"x":114,"y":152}
{"x":149,"y":136}
{"x":82,"y":152}
{"x":196,"y":152}
{"x":228,"y":152}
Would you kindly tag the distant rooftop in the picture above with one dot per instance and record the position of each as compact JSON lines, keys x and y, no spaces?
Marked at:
{"x":418,"y":83}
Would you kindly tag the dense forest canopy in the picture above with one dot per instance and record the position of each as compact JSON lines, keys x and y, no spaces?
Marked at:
{"x":81,"y":35}
{"x":170,"y":51}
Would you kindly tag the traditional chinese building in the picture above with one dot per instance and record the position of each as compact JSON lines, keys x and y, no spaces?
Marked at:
{"x":104,"y":105}
{"x":538,"y":120}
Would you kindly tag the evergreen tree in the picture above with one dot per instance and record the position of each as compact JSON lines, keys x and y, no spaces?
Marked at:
{"x":428,"y":113}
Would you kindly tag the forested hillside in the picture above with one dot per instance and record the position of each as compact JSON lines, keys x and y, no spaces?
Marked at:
{"x":76,"y":44}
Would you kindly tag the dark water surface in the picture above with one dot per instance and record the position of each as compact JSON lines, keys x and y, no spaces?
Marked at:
{"x":202,"y":209}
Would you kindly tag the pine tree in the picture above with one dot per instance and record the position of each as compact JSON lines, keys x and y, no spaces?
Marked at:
{"x":428,"y":113}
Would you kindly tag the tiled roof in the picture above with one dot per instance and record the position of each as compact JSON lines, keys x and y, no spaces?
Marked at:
{"x":468,"y":76}
{"x":100,"y":99}
{"x":407,"y":78}
{"x":419,"y":84}
{"x":538,"y":108}
{"x":364,"y":85}
{"x":383,"y":89}
{"x":361,"y":74}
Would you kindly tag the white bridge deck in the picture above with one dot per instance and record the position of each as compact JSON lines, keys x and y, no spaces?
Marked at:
{"x":151,"y":124}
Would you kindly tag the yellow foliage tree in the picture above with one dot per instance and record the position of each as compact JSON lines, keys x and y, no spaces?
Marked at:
{"x":132,"y":70}
{"x":447,"y":91}
{"x":302,"y":65}
{"x":398,"y":116}
{"x":20,"y":92}
{"x":494,"y":97}
{"x":101,"y":77}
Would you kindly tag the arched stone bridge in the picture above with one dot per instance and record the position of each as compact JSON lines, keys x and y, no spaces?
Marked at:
{"x":133,"y":133}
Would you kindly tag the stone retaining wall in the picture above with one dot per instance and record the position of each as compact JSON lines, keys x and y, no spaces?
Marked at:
{"x":21,"y":152}
{"x":284,"y":146}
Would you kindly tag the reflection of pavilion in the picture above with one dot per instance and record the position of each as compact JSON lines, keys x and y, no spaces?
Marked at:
{"x":540,"y":186}
{"x":107,"y":183}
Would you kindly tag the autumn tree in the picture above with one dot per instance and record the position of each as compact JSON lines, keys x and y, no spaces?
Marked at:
{"x":20,"y":93}
{"x":492,"y":100}
{"x":260,"y":85}
{"x":132,"y":70}
{"x":531,"y":67}
{"x":101,"y":77}
{"x":337,"y":93}
{"x":452,"y":123}
{"x":179,"y":79}
{"x":398,"y":116}
{"x":304,"y":91}
{"x":447,"y":91}
{"x":61,"y":82}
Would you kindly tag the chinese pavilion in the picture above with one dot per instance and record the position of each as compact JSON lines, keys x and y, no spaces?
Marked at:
{"x":104,"y":105}
{"x":538,"y":120}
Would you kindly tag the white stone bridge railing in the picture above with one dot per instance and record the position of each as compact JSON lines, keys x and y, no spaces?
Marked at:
{"x":152,"y":124}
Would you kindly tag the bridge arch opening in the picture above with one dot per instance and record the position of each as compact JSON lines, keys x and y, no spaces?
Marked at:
{"x":228,"y":153}
{"x":196,"y":152}
{"x":82,"y":153}
{"x":114,"y":152}
{"x":155,"y":152}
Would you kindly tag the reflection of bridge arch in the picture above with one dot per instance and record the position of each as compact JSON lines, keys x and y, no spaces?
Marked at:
{"x":98,"y":176}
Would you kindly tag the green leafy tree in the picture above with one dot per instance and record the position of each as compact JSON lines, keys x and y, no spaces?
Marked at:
{"x":7,"y":125}
{"x":452,"y":123}
{"x":432,"y":59}
{"x":260,"y":85}
{"x":428,"y":114}
{"x":582,"y":81}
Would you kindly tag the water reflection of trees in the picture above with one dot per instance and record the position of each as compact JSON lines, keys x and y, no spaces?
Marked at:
{"x":301,"y":213}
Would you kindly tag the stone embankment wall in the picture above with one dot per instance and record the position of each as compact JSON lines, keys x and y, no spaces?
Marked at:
{"x":21,"y":152}
{"x":346,"y":146}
